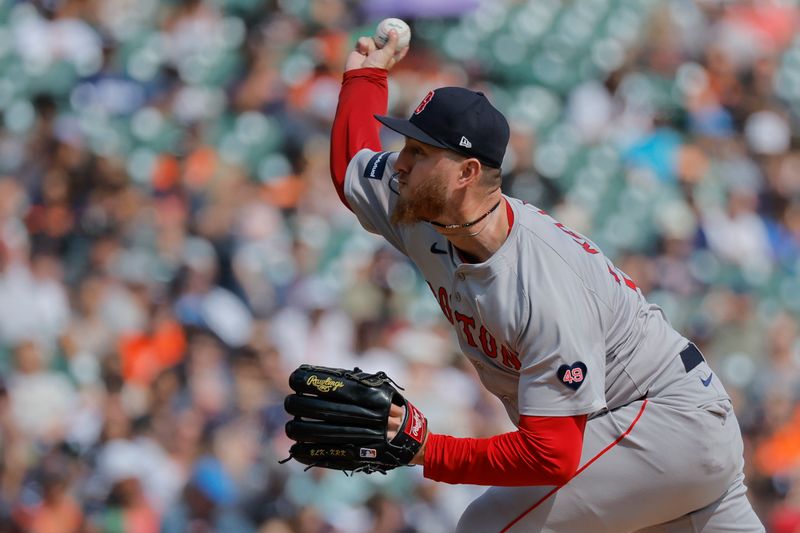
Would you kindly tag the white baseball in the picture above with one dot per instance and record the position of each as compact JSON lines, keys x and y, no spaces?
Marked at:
{"x":381,"y":36}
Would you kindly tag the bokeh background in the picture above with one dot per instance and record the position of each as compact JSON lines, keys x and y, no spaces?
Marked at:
{"x":171,"y":246}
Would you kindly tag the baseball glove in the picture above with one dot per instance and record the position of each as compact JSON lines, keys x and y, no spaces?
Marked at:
{"x":340,"y":421}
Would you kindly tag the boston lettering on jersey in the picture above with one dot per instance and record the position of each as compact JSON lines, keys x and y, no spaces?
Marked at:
{"x":473,"y":330}
{"x":618,"y":275}
{"x":476,"y":334}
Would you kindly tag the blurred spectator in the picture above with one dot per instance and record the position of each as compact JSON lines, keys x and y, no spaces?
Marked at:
{"x":127,"y":510}
{"x":58,"y":510}
{"x":208,"y":503}
{"x":33,"y":300}
{"x":737,"y":233}
{"x":312,"y":329}
{"x":42,"y":401}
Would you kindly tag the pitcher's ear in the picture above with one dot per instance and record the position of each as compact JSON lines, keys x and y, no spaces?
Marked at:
{"x":470,"y":171}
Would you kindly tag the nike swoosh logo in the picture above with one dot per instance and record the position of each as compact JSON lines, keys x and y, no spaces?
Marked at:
{"x":707,"y":382}
{"x":435,"y":250}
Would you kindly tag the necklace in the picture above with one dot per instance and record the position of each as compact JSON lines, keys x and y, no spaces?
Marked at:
{"x":467,"y":224}
{"x":477,"y":232}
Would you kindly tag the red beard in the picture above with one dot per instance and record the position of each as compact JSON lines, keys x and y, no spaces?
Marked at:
{"x":424,"y":203}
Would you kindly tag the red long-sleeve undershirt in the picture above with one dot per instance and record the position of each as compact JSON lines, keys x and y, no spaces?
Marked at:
{"x":545,"y":450}
{"x":364,"y":94}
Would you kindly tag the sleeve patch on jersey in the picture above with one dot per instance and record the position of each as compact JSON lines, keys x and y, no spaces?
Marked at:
{"x":572,"y":376}
{"x":376,"y":166}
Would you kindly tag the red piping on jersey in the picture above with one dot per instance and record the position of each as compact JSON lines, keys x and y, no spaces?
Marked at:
{"x":510,"y":216}
{"x":581,"y":469}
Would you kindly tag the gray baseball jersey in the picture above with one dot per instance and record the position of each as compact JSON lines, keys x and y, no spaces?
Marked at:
{"x":555,"y":329}
{"x":547,"y":298}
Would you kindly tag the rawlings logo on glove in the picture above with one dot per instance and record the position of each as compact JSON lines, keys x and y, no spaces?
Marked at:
{"x":324,"y":385}
{"x":340,"y":421}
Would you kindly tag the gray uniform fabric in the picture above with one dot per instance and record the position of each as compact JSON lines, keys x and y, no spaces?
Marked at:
{"x":553,"y":328}
{"x":677,"y":469}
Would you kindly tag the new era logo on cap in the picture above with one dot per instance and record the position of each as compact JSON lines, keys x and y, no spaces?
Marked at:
{"x":457,"y":119}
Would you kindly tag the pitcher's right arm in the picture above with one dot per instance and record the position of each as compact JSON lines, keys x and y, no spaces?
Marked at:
{"x":364,"y":94}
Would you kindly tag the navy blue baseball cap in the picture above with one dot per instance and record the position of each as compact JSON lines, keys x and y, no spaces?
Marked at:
{"x":457,"y":119}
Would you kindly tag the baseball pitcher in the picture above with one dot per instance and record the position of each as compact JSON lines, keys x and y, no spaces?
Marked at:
{"x":621,"y":424}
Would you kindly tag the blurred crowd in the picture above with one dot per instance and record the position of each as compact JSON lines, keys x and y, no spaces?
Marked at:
{"x":171,"y":246}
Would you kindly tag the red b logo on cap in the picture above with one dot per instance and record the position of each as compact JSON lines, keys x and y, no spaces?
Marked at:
{"x":423,"y":103}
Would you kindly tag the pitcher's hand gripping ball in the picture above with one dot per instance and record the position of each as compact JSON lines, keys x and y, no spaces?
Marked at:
{"x":340,"y":420}
{"x":381,"y":36}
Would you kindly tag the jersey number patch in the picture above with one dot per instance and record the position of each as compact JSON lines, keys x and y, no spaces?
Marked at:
{"x":572,"y":376}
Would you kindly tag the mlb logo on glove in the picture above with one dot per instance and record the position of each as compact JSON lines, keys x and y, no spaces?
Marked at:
{"x":368,"y":453}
